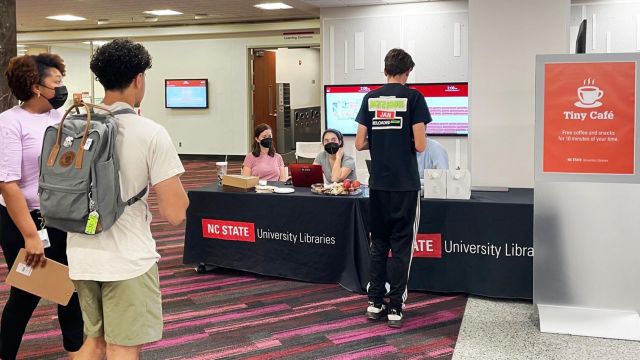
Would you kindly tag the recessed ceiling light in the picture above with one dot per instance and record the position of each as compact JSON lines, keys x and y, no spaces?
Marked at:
{"x":103,"y":21}
{"x":273,"y":6}
{"x":66,"y":18}
{"x":21,"y":46}
{"x":200,"y":16}
{"x":165,"y":12}
{"x":150,"y":18}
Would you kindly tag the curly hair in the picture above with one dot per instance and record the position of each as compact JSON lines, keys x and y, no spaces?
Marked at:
{"x":25,"y":71}
{"x":398,"y":61}
{"x":117,"y":63}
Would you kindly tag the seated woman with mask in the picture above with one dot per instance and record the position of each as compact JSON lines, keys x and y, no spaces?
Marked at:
{"x":336,"y":165}
{"x":263,"y":161}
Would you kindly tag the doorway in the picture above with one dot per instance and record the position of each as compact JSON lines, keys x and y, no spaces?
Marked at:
{"x":283,"y":79}
{"x":263,"y":64}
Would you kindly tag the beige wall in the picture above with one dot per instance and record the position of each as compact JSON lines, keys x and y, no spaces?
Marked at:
{"x":220,"y":54}
{"x":224,"y":128}
{"x":300,"y":68}
{"x":505,"y":37}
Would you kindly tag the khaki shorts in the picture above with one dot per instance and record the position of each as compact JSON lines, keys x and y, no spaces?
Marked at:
{"x":126,"y":313}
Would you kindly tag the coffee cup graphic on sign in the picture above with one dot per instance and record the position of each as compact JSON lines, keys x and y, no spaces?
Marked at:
{"x":589,"y":95}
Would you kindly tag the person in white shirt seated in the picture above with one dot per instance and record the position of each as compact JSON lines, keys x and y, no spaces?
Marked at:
{"x":336,"y":165}
{"x":434,"y":157}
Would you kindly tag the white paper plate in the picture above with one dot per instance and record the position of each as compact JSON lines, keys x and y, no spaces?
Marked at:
{"x":283,"y":190}
{"x":265,"y":188}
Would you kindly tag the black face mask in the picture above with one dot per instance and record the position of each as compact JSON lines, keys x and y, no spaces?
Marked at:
{"x":332,"y":148}
{"x":60,"y":96}
{"x":266,"y":143}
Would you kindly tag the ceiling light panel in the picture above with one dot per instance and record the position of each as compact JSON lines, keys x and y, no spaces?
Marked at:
{"x":66,"y":17}
{"x":166,"y":12}
{"x":273,"y":6}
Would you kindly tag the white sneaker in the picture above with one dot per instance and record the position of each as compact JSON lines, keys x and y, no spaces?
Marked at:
{"x":395,"y":318}
{"x":376,"y":311}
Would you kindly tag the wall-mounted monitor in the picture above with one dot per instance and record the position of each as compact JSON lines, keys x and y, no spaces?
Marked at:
{"x":448,"y":104}
{"x":341,"y":105}
{"x":186,"y":93}
{"x":449,"y":107}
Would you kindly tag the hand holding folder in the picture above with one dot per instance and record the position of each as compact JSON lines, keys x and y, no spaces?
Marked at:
{"x":50,"y":281}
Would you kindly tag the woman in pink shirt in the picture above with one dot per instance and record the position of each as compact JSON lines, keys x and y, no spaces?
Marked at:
{"x":263,"y":161}
{"x":37,"y":82}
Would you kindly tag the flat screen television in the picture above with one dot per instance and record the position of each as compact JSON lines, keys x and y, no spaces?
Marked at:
{"x":341,"y":105}
{"x":186,"y":93}
{"x":448,"y":104}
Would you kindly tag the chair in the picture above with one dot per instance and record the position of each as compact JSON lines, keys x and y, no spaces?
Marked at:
{"x":289,"y":158}
{"x":306,"y":152}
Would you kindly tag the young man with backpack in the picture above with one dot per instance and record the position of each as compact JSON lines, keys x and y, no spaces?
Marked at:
{"x":116,"y":271}
{"x":392,"y":122}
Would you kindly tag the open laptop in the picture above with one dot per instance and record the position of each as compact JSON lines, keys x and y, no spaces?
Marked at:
{"x":305,"y":175}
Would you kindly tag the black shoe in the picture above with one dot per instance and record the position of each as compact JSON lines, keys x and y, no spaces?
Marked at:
{"x":376,"y":311}
{"x":395,"y":318}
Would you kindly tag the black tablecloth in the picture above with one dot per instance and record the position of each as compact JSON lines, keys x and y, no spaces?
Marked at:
{"x":484,"y":242}
{"x":499,"y":224}
{"x":320,"y":232}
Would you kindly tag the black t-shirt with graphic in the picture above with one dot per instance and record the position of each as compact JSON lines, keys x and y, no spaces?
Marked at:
{"x":389,"y":114}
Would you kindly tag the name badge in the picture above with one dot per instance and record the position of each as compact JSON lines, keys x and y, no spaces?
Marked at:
{"x":44,"y":236}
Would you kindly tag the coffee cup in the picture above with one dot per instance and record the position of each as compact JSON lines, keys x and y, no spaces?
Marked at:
{"x":221,"y":169}
{"x":588,"y":95}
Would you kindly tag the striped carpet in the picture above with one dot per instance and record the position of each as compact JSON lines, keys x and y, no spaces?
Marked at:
{"x":233,"y":315}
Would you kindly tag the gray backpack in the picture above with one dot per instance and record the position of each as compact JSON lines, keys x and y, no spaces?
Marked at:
{"x":79,"y":185}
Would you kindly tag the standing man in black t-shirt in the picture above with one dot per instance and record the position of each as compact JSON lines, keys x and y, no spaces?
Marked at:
{"x":392,"y":124}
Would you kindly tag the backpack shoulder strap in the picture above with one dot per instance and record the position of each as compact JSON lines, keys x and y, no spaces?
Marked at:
{"x":142,"y":193}
{"x":137,"y":197}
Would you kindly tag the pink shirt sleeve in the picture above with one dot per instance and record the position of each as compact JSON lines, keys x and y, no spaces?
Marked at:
{"x":10,"y":150}
{"x":280,"y":161}
{"x":249,"y":160}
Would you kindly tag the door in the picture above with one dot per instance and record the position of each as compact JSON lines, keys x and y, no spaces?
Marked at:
{"x":264,"y":90}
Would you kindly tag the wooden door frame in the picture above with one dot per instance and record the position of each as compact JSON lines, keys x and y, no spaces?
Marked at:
{"x":251,"y":97}
{"x":249,"y":80}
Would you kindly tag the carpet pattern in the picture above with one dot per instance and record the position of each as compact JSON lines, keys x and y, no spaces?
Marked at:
{"x":228,"y":314}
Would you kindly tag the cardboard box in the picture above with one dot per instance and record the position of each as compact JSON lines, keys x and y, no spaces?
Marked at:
{"x":50,"y":282}
{"x":240,"y":181}
{"x":226,"y":188}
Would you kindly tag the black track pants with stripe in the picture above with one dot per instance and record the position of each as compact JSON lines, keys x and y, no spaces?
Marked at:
{"x":395,"y":216}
